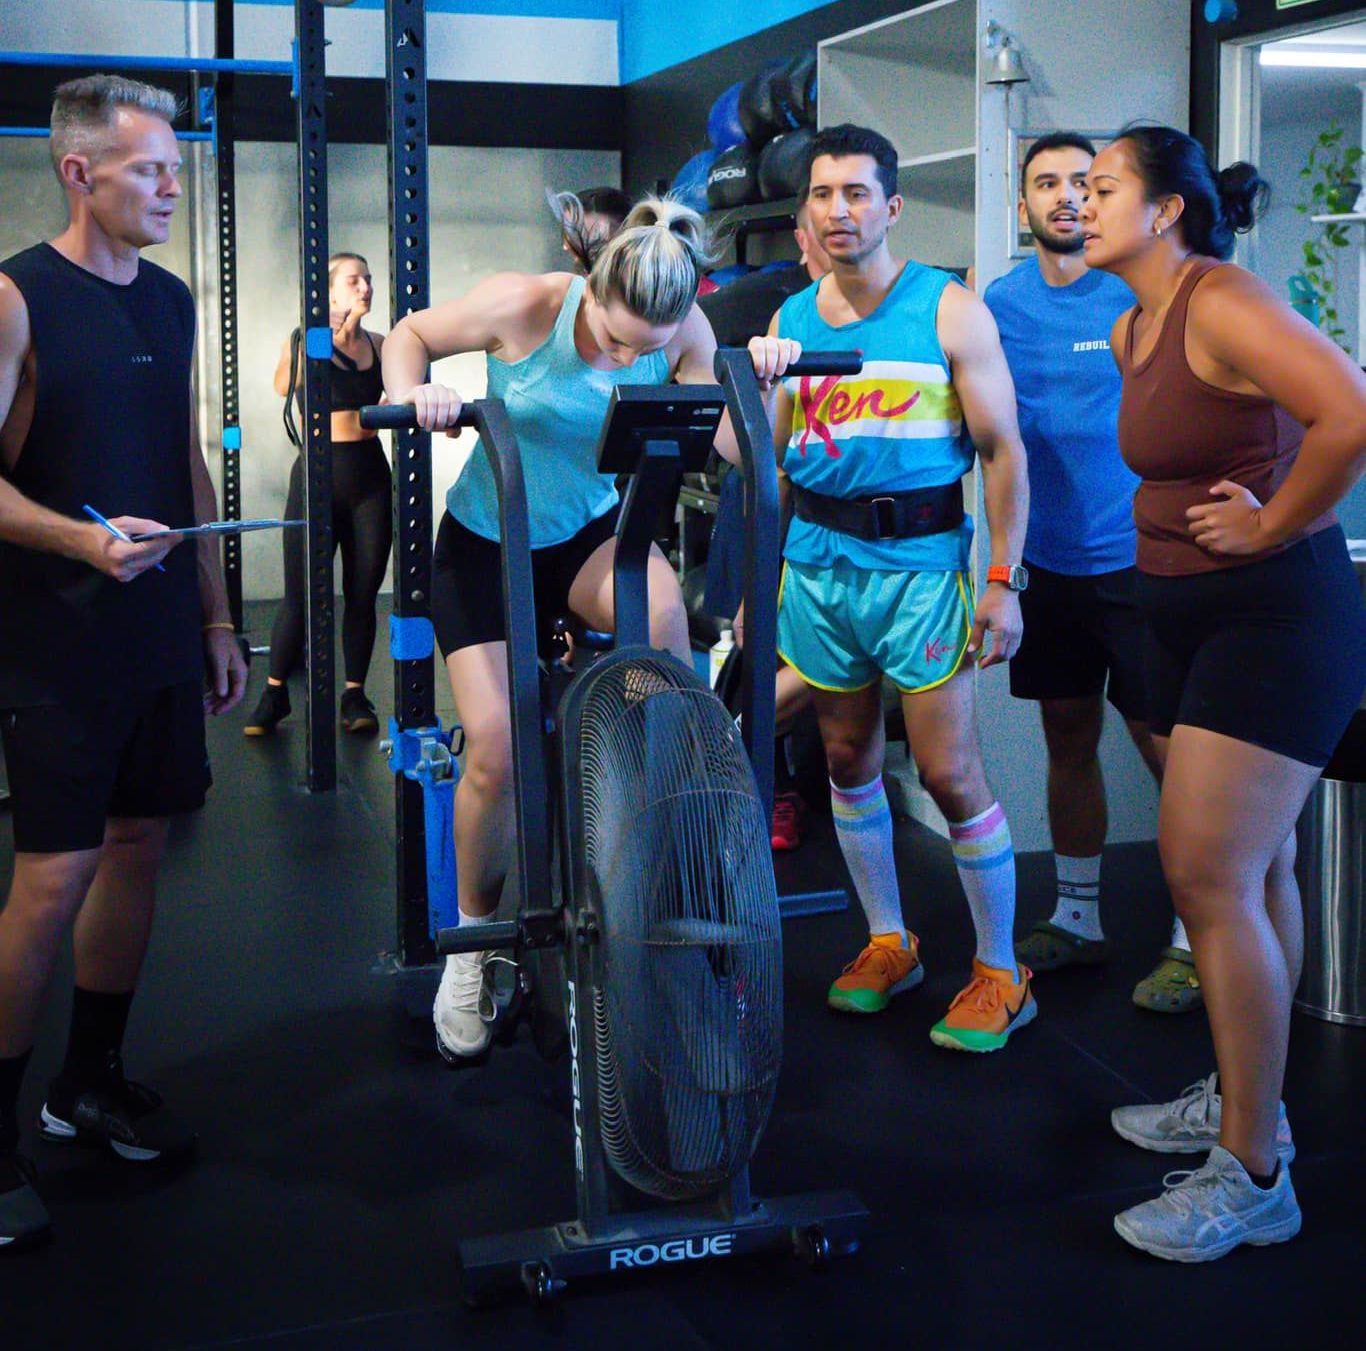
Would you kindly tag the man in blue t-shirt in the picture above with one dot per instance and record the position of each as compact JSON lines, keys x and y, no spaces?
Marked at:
{"x":1082,"y":633}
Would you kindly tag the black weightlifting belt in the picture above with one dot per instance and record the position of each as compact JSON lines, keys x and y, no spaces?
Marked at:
{"x":923,"y":511}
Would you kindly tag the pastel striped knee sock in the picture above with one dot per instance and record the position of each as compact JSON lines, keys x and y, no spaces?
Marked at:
{"x":986,"y":867}
{"x":863,"y":827}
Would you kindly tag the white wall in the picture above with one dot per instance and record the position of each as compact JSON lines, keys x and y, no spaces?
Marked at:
{"x":1092,"y":67}
{"x":488,"y":214}
{"x":487,"y":208}
{"x":537,"y":47}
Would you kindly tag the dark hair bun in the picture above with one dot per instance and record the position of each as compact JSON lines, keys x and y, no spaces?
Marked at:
{"x":1242,"y":195}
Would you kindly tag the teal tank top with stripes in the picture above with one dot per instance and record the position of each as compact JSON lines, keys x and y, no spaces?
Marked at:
{"x":895,"y":427}
{"x":556,"y":403}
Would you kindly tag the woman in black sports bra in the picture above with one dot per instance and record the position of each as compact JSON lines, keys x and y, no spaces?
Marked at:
{"x":362,"y":522}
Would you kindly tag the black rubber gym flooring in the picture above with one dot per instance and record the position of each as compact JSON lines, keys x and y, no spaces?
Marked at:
{"x":339,"y":1161}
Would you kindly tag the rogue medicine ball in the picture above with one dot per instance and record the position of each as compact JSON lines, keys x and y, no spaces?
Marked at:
{"x":733,"y":179}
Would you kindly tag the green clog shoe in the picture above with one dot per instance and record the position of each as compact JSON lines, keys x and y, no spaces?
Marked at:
{"x":1172,"y":986}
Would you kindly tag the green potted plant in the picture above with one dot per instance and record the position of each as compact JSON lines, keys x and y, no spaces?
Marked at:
{"x":1332,"y":188}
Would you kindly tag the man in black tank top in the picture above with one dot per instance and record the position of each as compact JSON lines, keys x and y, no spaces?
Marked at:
{"x":107,"y":642}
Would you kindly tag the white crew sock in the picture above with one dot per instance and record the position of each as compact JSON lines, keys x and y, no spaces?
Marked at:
{"x":1078,"y":908}
{"x":1179,"y":939}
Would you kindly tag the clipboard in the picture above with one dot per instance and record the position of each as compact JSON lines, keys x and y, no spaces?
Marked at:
{"x":219,"y":528}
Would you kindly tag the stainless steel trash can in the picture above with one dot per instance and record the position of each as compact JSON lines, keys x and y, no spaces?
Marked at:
{"x":1331,"y":868}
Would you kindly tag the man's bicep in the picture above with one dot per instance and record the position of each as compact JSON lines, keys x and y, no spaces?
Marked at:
{"x":981,"y":375}
{"x":14,"y":344}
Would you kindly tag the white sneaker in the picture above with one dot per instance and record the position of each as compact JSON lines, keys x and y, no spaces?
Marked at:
{"x":465,"y":1009}
{"x":1190,"y":1125}
{"x":1208,"y":1212}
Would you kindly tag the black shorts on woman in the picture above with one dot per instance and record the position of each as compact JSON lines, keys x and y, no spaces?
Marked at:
{"x":467,"y":582}
{"x":1272,"y":652}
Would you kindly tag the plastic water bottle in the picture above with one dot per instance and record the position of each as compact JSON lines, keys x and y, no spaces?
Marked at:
{"x":720,"y":650}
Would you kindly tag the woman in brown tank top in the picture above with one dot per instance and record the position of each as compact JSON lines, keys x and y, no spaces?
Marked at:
{"x":1247,"y":426}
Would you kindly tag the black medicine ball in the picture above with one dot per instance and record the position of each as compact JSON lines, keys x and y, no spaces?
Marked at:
{"x":733,"y":179}
{"x":784,"y":164}
{"x":762,"y":114}
{"x":795,"y":89}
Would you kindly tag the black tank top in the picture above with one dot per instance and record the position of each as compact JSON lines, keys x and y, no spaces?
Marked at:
{"x":111,"y":427}
{"x":352,"y":387}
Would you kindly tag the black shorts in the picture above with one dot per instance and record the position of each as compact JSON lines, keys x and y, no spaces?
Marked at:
{"x":1272,"y":653}
{"x":1083,"y":636}
{"x":467,"y":582}
{"x":72,"y":766}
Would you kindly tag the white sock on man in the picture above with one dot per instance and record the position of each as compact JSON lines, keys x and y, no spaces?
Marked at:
{"x":863,"y":827}
{"x":1179,"y":939}
{"x":1078,"y":908}
{"x":986,"y":867}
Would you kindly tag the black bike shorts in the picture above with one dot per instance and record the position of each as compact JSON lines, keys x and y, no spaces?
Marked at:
{"x":1272,"y":653}
{"x":467,"y":582}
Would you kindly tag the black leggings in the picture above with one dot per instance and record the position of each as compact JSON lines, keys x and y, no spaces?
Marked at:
{"x":362,"y":525}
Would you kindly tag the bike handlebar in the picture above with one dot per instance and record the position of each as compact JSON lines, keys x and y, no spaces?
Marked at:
{"x":381,"y":417}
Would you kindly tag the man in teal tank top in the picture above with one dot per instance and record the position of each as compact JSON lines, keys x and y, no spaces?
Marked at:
{"x":876,"y":579}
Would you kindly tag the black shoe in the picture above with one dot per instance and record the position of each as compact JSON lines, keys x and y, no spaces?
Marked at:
{"x":273,"y":707}
{"x":357,"y":712}
{"x":114,"y":1111}
{"x":24,"y":1221}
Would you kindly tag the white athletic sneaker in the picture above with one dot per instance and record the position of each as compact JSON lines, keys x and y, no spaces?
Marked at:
{"x":1190,"y":1125}
{"x":1208,"y":1212}
{"x":465,"y":1009}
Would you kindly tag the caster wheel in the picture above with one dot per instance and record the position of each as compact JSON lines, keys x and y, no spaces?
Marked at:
{"x":813,"y":1247}
{"x":542,"y":1288}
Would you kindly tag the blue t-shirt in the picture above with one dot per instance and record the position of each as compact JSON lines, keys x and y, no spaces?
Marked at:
{"x":1057,"y":342}
{"x":895,"y":427}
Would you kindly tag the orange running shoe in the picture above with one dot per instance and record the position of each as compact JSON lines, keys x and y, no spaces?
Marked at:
{"x":882,"y":969}
{"x":985,"y":1013}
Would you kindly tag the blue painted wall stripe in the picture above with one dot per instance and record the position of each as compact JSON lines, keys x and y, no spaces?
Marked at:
{"x":522,"y":9}
{"x":654,"y":34}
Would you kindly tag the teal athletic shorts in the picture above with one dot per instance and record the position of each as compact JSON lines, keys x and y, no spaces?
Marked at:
{"x":841,"y":627}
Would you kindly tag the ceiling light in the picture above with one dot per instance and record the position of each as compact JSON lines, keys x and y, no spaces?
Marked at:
{"x":1341,"y":59}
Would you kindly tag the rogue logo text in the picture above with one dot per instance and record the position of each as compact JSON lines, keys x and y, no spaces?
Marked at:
{"x":677,"y":1250}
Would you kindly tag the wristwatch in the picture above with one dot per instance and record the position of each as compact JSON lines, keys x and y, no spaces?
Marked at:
{"x":1015,"y":577}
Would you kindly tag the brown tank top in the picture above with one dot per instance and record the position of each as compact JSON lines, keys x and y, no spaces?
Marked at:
{"x":1182,"y":436}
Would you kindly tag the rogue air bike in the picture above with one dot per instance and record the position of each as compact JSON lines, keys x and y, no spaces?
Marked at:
{"x":659,"y":899}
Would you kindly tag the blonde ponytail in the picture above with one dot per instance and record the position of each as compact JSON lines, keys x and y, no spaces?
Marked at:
{"x":654,"y":263}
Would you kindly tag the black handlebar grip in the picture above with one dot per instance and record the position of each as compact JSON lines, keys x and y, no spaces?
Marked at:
{"x":478,"y":937}
{"x":392,"y":417}
{"x":827,"y":363}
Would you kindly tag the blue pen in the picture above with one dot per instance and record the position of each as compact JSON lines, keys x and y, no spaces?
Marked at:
{"x":111,"y":527}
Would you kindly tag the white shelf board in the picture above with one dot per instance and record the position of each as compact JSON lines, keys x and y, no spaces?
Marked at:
{"x":1358,"y":216}
{"x":931,"y":32}
{"x":938,"y":157}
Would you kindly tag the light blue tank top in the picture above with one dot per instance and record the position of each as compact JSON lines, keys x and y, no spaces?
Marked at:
{"x":556,"y":403}
{"x":895,"y":427}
